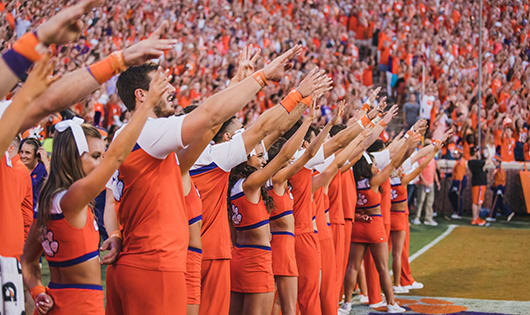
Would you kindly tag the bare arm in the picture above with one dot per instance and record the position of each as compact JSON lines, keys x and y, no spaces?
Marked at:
{"x":81,"y":192}
{"x":31,"y":272}
{"x":38,"y":81}
{"x":428,"y":157}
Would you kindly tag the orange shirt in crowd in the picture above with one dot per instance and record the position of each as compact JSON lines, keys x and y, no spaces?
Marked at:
{"x":367,"y":77}
{"x":499,"y":177}
{"x":507,"y":147}
{"x":459,"y":170}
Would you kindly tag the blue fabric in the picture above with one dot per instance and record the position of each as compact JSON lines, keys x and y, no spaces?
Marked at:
{"x":38,"y":175}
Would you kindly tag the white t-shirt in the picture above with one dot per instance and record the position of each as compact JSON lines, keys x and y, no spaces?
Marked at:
{"x":226,"y":155}
{"x":314,"y":161}
{"x":382,"y":158}
{"x":327,"y":162}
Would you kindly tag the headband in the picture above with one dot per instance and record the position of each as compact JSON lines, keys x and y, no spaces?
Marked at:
{"x":367,"y":158}
{"x":77,"y":131}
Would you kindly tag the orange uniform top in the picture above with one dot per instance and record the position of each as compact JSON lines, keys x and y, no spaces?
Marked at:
{"x":459,"y":170}
{"x":507,"y":147}
{"x":367,"y":198}
{"x":16,"y":199}
{"x":283,"y":205}
{"x":210,"y":174}
{"x":349,"y":194}
{"x":398,"y":194}
{"x":336,"y":211}
{"x":246,"y":215}
{"x":324,"y":231}
{"x":499,"y":177}
{"x":386,"y":201}
{"x":152,"y":211}
{"x":65,"y":245}
{"x":301,"y":183}
{"x":194,"y":205}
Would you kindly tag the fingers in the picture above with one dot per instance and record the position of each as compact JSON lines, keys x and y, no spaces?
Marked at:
{"x":162,"y":28}
{"x":256,"y":56}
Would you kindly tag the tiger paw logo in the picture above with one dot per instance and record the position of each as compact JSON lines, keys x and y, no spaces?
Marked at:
{"x":50,"y":245}
{"x":393,"y":194}
{"x":361,"y":200}
{"x":236,"y":216}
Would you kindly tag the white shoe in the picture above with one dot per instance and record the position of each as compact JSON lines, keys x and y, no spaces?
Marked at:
{"x":363,"y":299}
{"x":400,"y":289}
{"x":345,"y":308}
{"x":455,"y":216}
{"x":395,"y":308}
{"x":415,"y":285}
{"x":377,"y":305}
{"x":491,"y":219}
{"x":416,"y":221}
{"x":430,"y":222}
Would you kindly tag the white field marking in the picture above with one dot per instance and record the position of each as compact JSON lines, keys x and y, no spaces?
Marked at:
{"x":433,"y":242}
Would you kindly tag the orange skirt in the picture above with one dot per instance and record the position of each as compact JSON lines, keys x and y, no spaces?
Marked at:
{"x":76,"y":299}
{"x":193,"y":275}
{"x":251,"y":269}
{"x":398,"y":220}
{"x":283,"y":254}
{"x":372,"y":233}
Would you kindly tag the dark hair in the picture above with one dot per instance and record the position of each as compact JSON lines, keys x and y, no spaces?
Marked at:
{"x":244,"y":170}
{"x":30,"y":141}
{"x":65,"y":169}
{"x":275,"y":148}
{"x":336,"y":129}
{"x":362,"y":170}
{"x":135,"y":77}
{"x":378,"y":145}
{"x":219,"y":135}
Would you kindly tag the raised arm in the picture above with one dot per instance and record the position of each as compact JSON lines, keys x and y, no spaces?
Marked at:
{"x":222,"y":105}
{"x":86,"y":189}
{"x":38,"y":81}
{"x":62,"y":28}
{"x":272,"y":119}
{"x":61,"y":95}
{"x":260,"y":177}
{"x":432,"y":150}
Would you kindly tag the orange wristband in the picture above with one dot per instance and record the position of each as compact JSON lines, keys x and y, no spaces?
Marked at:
{"x":259,"y":76}
{"x":364,"y":121}
{"x":436,"y":142}
{"x":36,"y":290}
{"x":105,"y":69}
{"x":366,"y":107}
{"x":291,"y":100}
{"x":307,"y":100}
{"x":382,"y":123}
{"x":26,"y":46}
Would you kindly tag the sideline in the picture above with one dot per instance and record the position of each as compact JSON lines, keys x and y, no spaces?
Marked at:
{"x":433,"y":242}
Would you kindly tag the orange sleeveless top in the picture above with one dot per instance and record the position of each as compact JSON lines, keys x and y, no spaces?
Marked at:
{"x":283,"y":205}
{"x":246,"y":215}
{"x":398,"y":193}
{"x":194,"y":205}
{"x":366,"y":197}
{"x":65,"y":245}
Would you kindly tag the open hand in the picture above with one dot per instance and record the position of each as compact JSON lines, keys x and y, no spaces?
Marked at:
{"x":150,"y":48}
{"x":40,"y":77}
{"x":66,"y":25}
{"x":316,"y":82}
{"x":247,"y":62}
{"x":387,"y":118}
{"x":276,"y":69}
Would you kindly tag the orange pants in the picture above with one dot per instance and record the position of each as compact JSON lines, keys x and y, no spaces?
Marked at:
{"x":347,"y":243}
{"x":372,"y":276}
{"x":76,"y":299}
{"x":338,"y":240}
{"x":215,"y":286}
{"x":283,"y":254}
{"x":307,"y":247}
{"x":251,"y":269}
{"x":193,"y":275}
{"x":406,"y":275}
{"x":134,"y":291}
{"x":478,"y":193}
{"x":328,"y":287}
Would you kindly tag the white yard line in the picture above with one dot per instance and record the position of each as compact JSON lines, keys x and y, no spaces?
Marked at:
{"x":434,"y":242}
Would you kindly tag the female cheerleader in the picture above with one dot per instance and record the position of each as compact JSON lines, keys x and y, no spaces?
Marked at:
{"x":65,"y":227}
{"x":369,"y":231}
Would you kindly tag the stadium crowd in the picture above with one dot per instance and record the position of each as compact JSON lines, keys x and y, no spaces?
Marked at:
{"x":423,"y":56}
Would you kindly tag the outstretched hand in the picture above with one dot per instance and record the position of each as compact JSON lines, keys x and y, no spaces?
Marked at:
{"x":66,"y":25}
{"x":387,"y":118}
{"x":150,"y":48}
{"x":338,"y":115}
{"x":247,"y":62}
{"x":276,"y":69}
{"x":40,"y":77}
{"x":316,"y":82}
